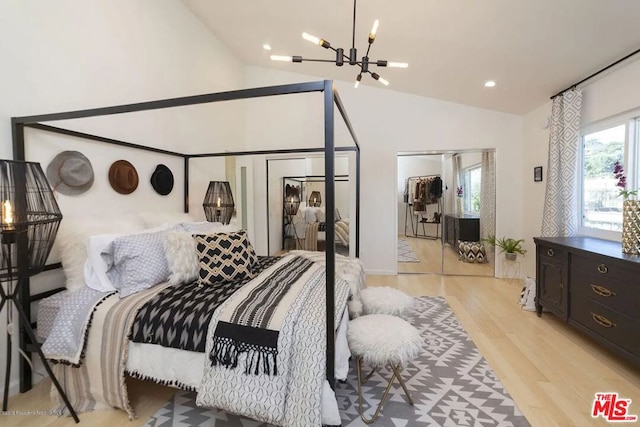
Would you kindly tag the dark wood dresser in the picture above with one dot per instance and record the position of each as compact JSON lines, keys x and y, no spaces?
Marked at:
{"x":461,"y":227}
{"x":593,"y":286}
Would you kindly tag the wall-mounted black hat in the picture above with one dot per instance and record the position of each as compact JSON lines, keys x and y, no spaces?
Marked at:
{"x":162,"y":180}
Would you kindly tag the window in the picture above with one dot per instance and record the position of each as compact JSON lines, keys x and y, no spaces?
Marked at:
{"x":471,"y":178}
{"x":600,"y":203}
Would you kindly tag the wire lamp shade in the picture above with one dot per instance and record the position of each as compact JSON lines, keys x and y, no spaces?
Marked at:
{"x":315,"y":199}
{"x":30,"y":215}
{"x":218,"y":202}
{"x":291,"y":200}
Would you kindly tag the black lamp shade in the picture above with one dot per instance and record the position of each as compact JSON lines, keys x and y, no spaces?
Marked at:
{"x":315,"y":199}
{"x":29,"y":216}
{"x":291,"y":199}
{"x":218,"y":202}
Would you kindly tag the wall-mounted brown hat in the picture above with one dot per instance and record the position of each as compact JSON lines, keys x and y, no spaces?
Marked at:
{"x":123,"y":177}
{"x":162,"y":180}
{"x":70,"y":173}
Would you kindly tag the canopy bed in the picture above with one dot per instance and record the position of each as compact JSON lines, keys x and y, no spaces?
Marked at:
{"x":328,"y":271}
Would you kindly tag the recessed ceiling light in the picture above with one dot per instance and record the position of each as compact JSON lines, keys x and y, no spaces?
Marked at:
{"x":266,"y":46}
{"x":490,"y":83}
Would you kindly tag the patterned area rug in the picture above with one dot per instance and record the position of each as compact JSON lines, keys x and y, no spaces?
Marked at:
{"x":405,"y":253}
{"x":451,"y":384}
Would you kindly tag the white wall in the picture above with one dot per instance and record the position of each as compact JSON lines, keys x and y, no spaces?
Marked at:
{"x":388,"y":122}
{"x":74,"y":54}
{"x":613,"y":94}
{"x":535,"y":153}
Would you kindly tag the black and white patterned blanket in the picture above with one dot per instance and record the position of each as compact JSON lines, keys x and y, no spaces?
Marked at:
{"x":179,"y":316}
{"x":292,"y":397}
{"x":251,"y":325}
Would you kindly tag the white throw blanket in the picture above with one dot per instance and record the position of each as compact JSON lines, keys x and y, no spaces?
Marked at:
{"x":293,"y":396}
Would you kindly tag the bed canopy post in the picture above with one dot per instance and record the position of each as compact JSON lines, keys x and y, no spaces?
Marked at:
{"x":330,"y":209}
{"x":186,"y":184}
{"x":17,"y":133}
{"x":358,"y":202}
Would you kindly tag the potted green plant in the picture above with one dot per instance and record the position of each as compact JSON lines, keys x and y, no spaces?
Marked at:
{"x":510,"y":247}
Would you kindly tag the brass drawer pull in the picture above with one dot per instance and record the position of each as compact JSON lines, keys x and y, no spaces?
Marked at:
{"x":602,"y":321}
{"x":550,"y":252}
{"x":602,"y":291}
{"x":603,"y":269}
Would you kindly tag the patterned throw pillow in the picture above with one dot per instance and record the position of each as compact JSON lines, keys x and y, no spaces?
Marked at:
{"x":472,"y":252}
{"x":136,"y":262}
{"x":224,"y":257}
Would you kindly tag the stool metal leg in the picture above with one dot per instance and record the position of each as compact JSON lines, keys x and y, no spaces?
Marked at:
{"x":368,"y":377}
{"x":384,"y":396}
{"x":396,"y":371}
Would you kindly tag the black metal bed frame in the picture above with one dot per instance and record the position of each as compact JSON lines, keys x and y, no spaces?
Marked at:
{"x":331,"y":97}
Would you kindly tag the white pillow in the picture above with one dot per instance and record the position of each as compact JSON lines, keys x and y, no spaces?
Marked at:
{"x":71,"y":242}
{"x":320,"y":215}
{"x":206,"y":227}
{"x":180,"y":251}
{"x":95,"y":269}
{"x":310,"y":215}
{"x":155,"y":219}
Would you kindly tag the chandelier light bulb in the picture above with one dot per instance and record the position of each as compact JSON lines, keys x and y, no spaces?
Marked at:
{"x":383,"y":81}
{"x":374,"y":29}
{"x":282,"y":58}
{"x":311,"y":38}
{"x":490,"y":83}
{"x":397,"y":64}
{"x":358,"y":78}
{"x":266,"y":46}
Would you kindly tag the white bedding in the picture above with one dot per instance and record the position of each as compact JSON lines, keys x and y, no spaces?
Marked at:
{"x":173,"y":366}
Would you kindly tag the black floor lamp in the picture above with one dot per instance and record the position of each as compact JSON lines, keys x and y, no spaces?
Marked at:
{"x":29,"y":221}
{"x":291,"y":205}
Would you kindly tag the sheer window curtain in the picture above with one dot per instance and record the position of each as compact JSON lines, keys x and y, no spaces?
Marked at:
{"x":560,"y":212}
{"x":488,"y":200}
{"x":488,"y":196}
{"x":456,"y":163}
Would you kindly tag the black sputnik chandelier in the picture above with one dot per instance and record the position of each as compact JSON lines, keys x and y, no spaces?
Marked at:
{"x":352,"y":58}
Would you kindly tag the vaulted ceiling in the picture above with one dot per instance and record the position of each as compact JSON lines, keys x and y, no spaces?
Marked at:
{"x":531,"y":48}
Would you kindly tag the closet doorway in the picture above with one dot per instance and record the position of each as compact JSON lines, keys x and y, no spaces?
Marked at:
{"x":446,"y":208}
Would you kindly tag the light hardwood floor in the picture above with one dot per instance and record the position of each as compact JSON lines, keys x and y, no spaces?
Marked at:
{"x":430,"y":254}
{"x":550,"y":370}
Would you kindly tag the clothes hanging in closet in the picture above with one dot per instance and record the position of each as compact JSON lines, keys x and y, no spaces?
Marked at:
{"x":422,"y":191}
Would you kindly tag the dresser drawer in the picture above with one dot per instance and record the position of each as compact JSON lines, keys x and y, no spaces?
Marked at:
{"x":606,"y":269}
{"x":609,"y":324}
{"x":550,"y":254}
{"x":623,"y":297}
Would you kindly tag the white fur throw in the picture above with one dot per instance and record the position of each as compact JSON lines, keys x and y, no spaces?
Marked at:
{"x":180,"y":250}
{"x":385,"y":300}
{"x":381,"y":338}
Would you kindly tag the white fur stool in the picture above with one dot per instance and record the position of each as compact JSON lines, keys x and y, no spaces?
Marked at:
{"x":385,"y":300}
{"x":380,"y":340}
